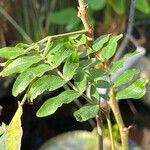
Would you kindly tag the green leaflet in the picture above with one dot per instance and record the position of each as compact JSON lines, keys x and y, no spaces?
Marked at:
{"x":95,"y":96}
{"x":80,"y":80}
{"x":11,"y":52}
{"x":136,"y":90}
{"x":45,"y":83}
{"x":25,"y":78}
{"x":88,"y":63}
{"x":61,"y":54}
{"x":143,"y":6}
{"x":118,"y":6}
{"x":71,"y":66}
{"x":102,"y":84}
{"x":20,"y":64}
{"x":125,"y":77}
{"x":52,"y":104}
{"x":116,"y":66}
{"x":96,"y":4}
{"x":94,"y":74}
{"x":55,"y":47}
{"x":109,"y":50}
{"x":86,"y":112}
{"x":99,"y":42}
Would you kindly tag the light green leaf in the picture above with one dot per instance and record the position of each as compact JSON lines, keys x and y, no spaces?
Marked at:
{"x":45,"y":83}
{"x":71,"y":66}
{"x":86,"y":112}
{"x":20,"y":64}
{"x":28,"y":76}
{"x":60,"y":55}
{"x":135,"y":90}
{"x":118,"y":6}
{"x":143,"y":6}
{"x":10,"y":52}
{"x":116,"y":66}
{"x":109,"y":50}
{"x":52,"y":104}
{"x":125,"y":77}
{"x":96,"y":4}
{"x":80,"y":81}
{"x":99,"y":42}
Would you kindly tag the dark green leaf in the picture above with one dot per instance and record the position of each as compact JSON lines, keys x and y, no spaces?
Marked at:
{"x":80,"y":81}
{"x":67,"y":16}
{"x":27,"y":77}
{"x":88,"y":63}
{"x":86,"y":112}
{"x":125,"y":77}
{"x":102,"y":84}
{"x":96,"y":4}
{"x":143,"y":6}
{"x":109,"y":50}
{"x":45,"y":83}
{"x":10,"y":52}
{"x":95,"y":74}
{"x":52,"y":104}
{"x":99,"y":42}
{"x":95,"y":96}
{"x":20,"y":64}
{"x":135,"y":90}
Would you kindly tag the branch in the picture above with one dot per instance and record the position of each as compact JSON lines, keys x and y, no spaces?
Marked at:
{"x":83,"y":15}
{"x":122,"y":129}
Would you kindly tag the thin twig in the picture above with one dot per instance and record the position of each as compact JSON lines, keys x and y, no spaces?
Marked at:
{"x":16,"y":25}
{"x":129,"y":30}
{"x":110,"y":130}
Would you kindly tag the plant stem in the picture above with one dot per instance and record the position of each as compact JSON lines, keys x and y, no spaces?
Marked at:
{"x":62,"y":35}
{"x":110,"y":130}
{"x":50,"y":38}
{"x":23,"y":100}
{"x":83,"y":15}
{"x":115,"y":108}
{"x":99,"y":122}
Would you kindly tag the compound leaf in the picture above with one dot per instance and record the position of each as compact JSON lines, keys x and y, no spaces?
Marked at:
{"x":86,"y":112}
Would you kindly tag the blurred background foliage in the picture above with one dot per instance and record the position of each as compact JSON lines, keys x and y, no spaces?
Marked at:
{"x":35,"y":19}
{"x":27,"y":21}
